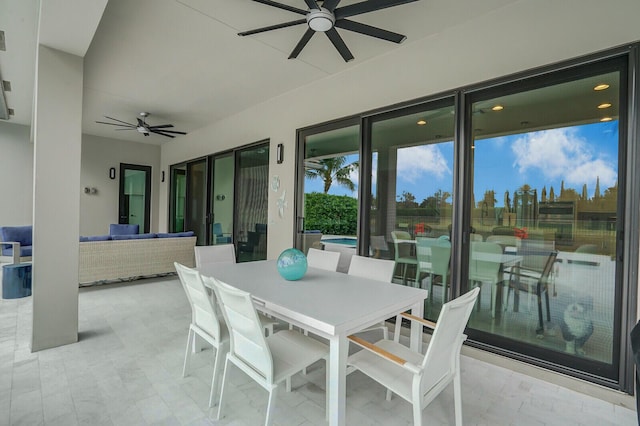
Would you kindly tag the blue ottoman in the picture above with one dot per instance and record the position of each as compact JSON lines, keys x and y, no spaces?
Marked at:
{"x":16,"y":281}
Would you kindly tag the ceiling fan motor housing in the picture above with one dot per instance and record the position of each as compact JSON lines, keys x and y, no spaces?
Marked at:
{"x":320,"y":20}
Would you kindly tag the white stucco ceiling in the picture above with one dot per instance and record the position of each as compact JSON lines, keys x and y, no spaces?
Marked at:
{"x":182,"y":60}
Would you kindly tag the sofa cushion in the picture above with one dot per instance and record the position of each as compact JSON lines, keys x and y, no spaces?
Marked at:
{"x":123,"y":229}
{"x":175,"y":234}
{"x":95,"y":238}
{"x":133,"y":237}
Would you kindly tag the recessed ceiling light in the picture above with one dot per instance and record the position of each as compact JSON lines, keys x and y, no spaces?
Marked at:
{"x":604,"y":105}
{"x":421,"y":122}
{"x":601,"y":87}
{"x":497,"y":108}
{"x":606,"y":119}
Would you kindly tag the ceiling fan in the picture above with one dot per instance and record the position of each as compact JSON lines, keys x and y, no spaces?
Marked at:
{"x":326,"y":17}
{"x":143,"y":127}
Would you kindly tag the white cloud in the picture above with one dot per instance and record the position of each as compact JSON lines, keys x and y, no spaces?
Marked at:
{"x":562,"y":154}
{"x":417,"y":161}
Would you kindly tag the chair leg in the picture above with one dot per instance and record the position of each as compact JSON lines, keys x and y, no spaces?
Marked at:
{"x":216,"y":373}
{"x":222,"y":386}
{"x":272,"y":400}
{"x":457,"y":398}
{"x":417,"y":411}
{"x":540,"y":329}
{"x":388,"y":395}
{"x":187,"y":355}
{"x":546,"y":297}
{"x":494,"y":294}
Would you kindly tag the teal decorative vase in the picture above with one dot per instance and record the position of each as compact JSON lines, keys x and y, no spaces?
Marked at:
{"x":292,"y":264}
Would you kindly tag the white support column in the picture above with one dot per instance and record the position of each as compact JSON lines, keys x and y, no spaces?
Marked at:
{"x":57,"y":133}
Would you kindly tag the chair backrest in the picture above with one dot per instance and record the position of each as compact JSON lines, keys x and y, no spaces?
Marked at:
{"x":484,"y":266}
{"x":369,"y":267}
{"x":423,"y":252}
{"x":505,"y":241}
{"x":203,"y":312}
{"x":323,"y":259}
{"x":535,"y":254}
{"x":440,"y":257}
{"x":221,"y":253}
{"x":401,"y":250}
{"x":248,"y":343}
{"x":441,"y":359}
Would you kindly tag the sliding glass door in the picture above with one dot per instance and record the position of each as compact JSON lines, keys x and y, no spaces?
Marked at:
{"x":546,"y":210}
{"x":411,"y":203}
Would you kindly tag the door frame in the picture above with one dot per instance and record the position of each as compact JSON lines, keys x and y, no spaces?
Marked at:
{"x":122,"y":215}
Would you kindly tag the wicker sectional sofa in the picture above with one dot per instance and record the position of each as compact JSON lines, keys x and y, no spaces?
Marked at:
{"x":128,"y":259}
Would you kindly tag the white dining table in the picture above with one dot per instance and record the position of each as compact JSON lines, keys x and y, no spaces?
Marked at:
{"x":332,"y":305}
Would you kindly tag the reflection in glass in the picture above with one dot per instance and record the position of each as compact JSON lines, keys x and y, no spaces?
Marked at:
{"x":544,"y":202}
{"x":411,"y":197}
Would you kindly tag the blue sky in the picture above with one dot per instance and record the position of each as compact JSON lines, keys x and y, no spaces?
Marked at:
{"x":578,"y":155}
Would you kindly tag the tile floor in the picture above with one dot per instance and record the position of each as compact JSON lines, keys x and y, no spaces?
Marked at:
{"x":126,"y":370}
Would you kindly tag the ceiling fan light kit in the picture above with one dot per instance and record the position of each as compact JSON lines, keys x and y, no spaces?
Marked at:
{"x":328,"y":17}
{"x":320,"y":20}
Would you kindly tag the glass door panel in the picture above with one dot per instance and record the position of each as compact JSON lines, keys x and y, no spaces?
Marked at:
{"x":545,"y":208}
{"x":196,"y":200}
{"x":135,"y":196}
{"x":222,"y":199}
{"x":412,"y":165}
{"x":178,"y":198}
{"x":252,"y":194}
{"x":329,"y":203}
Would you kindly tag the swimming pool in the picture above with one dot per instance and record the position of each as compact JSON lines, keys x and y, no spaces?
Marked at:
{"x":345,"y":241}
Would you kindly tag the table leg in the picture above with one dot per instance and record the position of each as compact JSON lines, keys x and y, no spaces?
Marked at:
{"x":338,"y":351}
{"x":416,"y":328}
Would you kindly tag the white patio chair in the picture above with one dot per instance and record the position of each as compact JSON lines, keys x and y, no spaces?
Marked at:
{"x":269,"y":361}
{"x":323,"y":259}
{"x":222,"y":253}
{"x":204,"y":323}
{"x":434,"y":255}
{"x":404,"y":255}
{"x":374,"y":269}
{"x":225,"y":254}
{"x":415,"y":377}
{"x":485,"y":266}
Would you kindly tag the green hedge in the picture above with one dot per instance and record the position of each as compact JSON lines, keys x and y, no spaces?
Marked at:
{"x":331,"y":214}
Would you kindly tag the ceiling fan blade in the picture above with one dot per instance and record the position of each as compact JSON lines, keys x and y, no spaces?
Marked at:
{"x":312,"y":4}
{"x":159,"y":132}
{"x":115,"y":119}
{"x":339,"y":44}
{"x":116,"y":124}
{"x":302,"y":43}
{"x":167,"y":131}
{"x":162,"y":126}
{"x":370,"y":31}
{"x":127,"y":128}
{"x":330,"y":5}
{"x":273,"y":27}
{"x":282,"y":6}
{"x":367,"y":6}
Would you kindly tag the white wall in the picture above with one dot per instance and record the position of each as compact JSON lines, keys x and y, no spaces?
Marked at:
{"x":16,"y":175}
{"x":517,"y":37}
{"x":99,"y":154}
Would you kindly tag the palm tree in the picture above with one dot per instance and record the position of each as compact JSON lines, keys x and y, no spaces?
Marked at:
{"x":333,"y":169}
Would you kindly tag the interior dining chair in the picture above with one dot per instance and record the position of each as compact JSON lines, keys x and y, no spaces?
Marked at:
{"x":535,"y":279}
{"x":415,"y":377}
{"x":204,"y":323}
{"x":222,"y":253}
{"x":374,"y":269}
{"x":267,"y":360}
{"x":225,"y":254}
{"x":485,"y":266}
{"x":403,"y":245}
{"x":323,"y":259}
{"x":433,"y":255}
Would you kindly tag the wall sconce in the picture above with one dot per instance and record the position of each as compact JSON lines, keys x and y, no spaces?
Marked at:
{"x":280,"y":153}
{"x":220,"y":197}
{"x":112,"y":173}
{"x":88,"y":190}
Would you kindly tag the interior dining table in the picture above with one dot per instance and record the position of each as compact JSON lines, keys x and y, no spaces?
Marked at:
{"x":332,"y":305}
